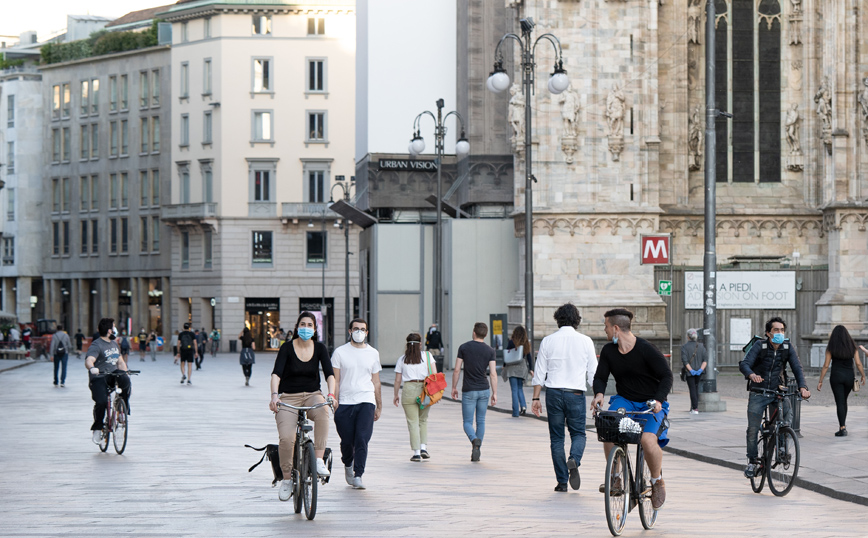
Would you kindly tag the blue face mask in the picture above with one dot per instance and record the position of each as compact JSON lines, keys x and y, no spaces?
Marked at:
{"x":615,"y":340}
{"x":778,"y":338}
{"x":306,"y":333}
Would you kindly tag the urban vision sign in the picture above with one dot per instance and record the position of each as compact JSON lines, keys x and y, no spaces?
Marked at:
{"x":408,"y":165}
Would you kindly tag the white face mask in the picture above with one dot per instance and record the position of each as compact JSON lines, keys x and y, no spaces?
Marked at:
{"x":359,"y":336}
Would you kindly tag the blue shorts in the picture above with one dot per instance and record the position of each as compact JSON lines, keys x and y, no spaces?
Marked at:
{"x":656,"y":423}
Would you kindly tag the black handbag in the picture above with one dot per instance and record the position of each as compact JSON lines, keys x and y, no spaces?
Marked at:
{"x":247,"y":356}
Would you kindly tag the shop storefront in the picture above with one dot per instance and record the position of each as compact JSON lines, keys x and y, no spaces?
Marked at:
{"x":262,"y":317}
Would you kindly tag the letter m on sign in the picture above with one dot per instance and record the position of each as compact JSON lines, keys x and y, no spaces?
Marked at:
{"x":655,"y":249}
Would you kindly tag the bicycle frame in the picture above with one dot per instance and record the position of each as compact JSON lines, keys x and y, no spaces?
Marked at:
{"x":777,"y":457}
{"x":303,"y":432}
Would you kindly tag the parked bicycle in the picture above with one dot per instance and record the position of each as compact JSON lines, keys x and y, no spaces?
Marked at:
{"x":623,"y":488}
{"x":117,"y":419}
{"x":304,"y":475}
{"x":778,"y":458}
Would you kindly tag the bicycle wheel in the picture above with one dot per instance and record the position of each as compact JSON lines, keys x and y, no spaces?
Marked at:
{"x":783,"y":462}
{"x":120,"y":422}
{"x":647,"y":513}
{"x":309,"y":480}
{"x":759,"y":477}
{"x":617,"y":490}
{"x":296,"y":493}
{"x":106,"y":429}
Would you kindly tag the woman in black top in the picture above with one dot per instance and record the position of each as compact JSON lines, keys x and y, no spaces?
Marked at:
{"x":295,"y":380}
{"x":247,"y":357}
{"x":841,"y":352}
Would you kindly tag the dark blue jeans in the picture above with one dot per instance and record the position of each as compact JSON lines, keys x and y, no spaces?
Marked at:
{"x":516,"y":384}
{"x":756,"y":404}
{"x":565,"y":409}
{"x":355,"y":425}
{"x":57,"y":364}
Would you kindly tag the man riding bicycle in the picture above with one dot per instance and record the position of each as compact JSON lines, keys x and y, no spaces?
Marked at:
{"x":765,"y":366}
{"x":104,"y":357}
{"x":641,"y":373}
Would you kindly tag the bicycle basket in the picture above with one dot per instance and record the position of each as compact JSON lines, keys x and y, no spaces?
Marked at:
{"x":614,"y":427}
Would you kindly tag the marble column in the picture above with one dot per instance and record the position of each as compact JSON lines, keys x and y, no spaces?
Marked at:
{"x":166,"y":309}
{"x":23,"y":310}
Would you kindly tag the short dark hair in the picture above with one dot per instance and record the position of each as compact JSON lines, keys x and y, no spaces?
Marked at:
{"x":186,"y":326}
{"x":568,"y":316}
{"x":359,"y":320}
{"x":620,"y":317}
{"x":105,"y":325}
{"x":776,"y":319}
{"x":60,"y":327}
{"x":480,"y":329}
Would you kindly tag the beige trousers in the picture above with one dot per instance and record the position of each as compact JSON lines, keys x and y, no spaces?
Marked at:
{"x":287,"y":420}
{"x":417,"y":421}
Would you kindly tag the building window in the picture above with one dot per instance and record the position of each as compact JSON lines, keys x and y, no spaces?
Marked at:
{"x":184,"y":186}
{"x":55,"y":102}
{"x":67,"y":101}
{"x":261,"y":186}
{"x":315,"y":26}
{"x":125,"y":190}
{"x":10,"y":111}
{"x":155,"y":234}
{"x":143,"y":134}
{"x":185,"y":130}
{"x":113,"y":235}
{"x":155,"y":87}
{"x":67,"y":147}
{"x":84,"y":137}
{"x":94,"y":96}
{"x":206,"y":31}
{"x":207,"y":240}
{"x":94,"y":141}
{"x":113,"y":191}
{"x":144,"y":195}
{"x":125,"y":138}
{"x":155,"y":134}
{"x":262,"y":248}
{"x":144,"y":98}
{"x":83,"y":192}
{"x":124,"y":235}
{"x":8,"y":251}
{"x":261,"y":24}
{"x":55,"y":145}
{"x":113,"y":94}
{"x":316,"y":75}
{"x":155,"y":188}
{"x":262,"y":75}
{"x":84,"y":236}
{"x":143,"y":234}
{"x":85,"y":97}
{"x":65,"y":238}
{"x":207,"y":183}
{"x":67,"y":195}
{"x":113,"y":139}
{"x":10,"y":157}
{"x":206,"y":77}
{"x":10,"y":204}
{"x":316,"y":247}
{"x":206,"y":127}
{"x":262,"y":129}
{"x":94,"y":193}
{"x":316,"y":129}
{"x":316,"y":186}
{"x":94,"y":236}
{"x":185,"y":250}
{"x":185,"y":80}
{"x":55,"y":195}
{"x":55,"y":241}
{"x":125,"y":92}
{"x":183,"y":32}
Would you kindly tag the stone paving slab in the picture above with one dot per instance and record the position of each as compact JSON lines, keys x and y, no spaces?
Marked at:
{"x":185,"y":473}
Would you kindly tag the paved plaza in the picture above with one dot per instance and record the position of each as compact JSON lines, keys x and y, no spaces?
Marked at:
{"x":184,"y":472}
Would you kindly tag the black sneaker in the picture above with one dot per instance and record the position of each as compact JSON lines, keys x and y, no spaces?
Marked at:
{"x":751,"y":469}
{"x":522,"y":412}
{"x":183,"y":378}
{"x":841,"y":433}
{"x":475,"y":453}
{"x":575,"y":479}
{"x":416,"y":457}
{"x":562,"y":488}
{"x":424,"y":454}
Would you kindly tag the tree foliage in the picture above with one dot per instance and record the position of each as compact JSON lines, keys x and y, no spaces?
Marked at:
{"x":99,"y":43}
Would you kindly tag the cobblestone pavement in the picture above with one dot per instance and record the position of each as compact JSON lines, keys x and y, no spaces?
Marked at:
{"x":185,"y":472}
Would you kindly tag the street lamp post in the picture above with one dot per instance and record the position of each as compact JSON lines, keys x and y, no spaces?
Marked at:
{"x":417,"y":146}
{"x":345,"y":188}
{"x":558,"y":82}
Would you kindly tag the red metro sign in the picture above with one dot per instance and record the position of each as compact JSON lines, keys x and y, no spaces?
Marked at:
{"x":655,"y":249}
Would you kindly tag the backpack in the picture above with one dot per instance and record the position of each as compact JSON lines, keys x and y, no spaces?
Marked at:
{"x":60,"y":351}
{"x":272,"y":455}
{"x":186,"y":340}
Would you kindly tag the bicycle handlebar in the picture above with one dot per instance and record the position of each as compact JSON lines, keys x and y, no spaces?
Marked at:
{"x":649,"y":411}
{"x":317,"y":406}
{"x":778,"y":392}
{"x":118,"y":372}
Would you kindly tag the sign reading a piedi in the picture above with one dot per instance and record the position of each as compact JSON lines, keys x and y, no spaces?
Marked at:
{"x":770,"y":290}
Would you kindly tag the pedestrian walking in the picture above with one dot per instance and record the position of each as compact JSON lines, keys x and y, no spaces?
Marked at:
{"x":841,"y":352}
{"x":153,"y":345}
{"x":15,"y":336}
{"x":411,"y":370}
{"x":59,"y":351}
{"x":124,"y":344}
{"x":25,"y":336}
{"x":515,"y":374}
{"x":174,"y":343}
{"x":79,"y":342}
{"x":201,"y":339}
{"x":187,"y":352}
{"x":215,"y":342}
{"x":142,"y":338}
{"x":477,"y":357}
{"x":566,"y":362}
{"x":248,"y":355}
{"x":693,"y":354}
{"x":434,"y":340}
{"x":358,"y":403}
{"x":295,"y":380}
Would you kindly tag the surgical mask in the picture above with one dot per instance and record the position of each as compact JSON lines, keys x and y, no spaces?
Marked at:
{"x":359,"y":336}
{"x":778,"y":338}
{"x":615,"y":340}
{"x":306,"y":333}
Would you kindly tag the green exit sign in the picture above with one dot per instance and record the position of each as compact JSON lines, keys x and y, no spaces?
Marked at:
{"x":664,"y":287}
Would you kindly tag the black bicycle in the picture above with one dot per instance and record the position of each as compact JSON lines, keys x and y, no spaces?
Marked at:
{"x":304,"y":475}
{"x":778,"y":446}
{"x":117,"y":418}
{"x":623,"y":488}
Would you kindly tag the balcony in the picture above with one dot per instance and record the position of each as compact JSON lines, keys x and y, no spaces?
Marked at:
{"x":190,"y":214}
{"x":296,"y":210}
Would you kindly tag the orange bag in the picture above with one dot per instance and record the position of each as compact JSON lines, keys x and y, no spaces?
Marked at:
{"x":434,"y":387}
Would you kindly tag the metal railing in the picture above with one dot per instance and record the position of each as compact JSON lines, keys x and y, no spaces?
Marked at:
{"x":202,"y":210}
{"x":295,"y":210}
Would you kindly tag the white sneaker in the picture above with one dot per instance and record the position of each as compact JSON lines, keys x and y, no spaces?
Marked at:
{"x":97,"y":436}
{"x":285,"y":491}
{"x":357,"y":483}
{"x":694,"y":411}
{"x":348,"y":474}
{"x":321,"y":468}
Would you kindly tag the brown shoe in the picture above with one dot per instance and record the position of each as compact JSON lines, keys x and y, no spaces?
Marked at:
{"x":658,"y":494}
{"x":617,"y":489}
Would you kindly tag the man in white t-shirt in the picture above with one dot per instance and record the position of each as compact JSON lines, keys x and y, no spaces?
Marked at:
{"x":357,"y":396}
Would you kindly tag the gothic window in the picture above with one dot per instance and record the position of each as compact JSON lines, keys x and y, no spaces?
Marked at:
{"x":748,"y":84}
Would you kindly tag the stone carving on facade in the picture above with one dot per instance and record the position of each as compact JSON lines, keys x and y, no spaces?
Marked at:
{"x":694,"y":138}
{"x":863,"y":105}
{"x":796,"y":16}
{"x":694,"y":21}
{"x":779,"y":226}
{"x":570,"y":109}
{"x":590,"y":225}
{"x":823,"y":98}
{"x":692,"y":67}
{"x":615,"y":110}
{"x":834,"y":221}
{"x":795,"y":160}
{"x":795,"y":77}
{"x":516,"y":118}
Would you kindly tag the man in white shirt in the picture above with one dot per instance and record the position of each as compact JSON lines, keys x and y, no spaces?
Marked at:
{"x":565,"y":363}
{"x":357,"y":399}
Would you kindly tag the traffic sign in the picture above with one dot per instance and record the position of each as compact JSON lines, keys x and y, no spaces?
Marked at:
{"x":664,"y":288}
{"x":655,"y":249}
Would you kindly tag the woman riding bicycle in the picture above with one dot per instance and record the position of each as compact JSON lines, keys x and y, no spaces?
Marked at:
{"x":295,"y":380}
{"x":104,"y":356}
